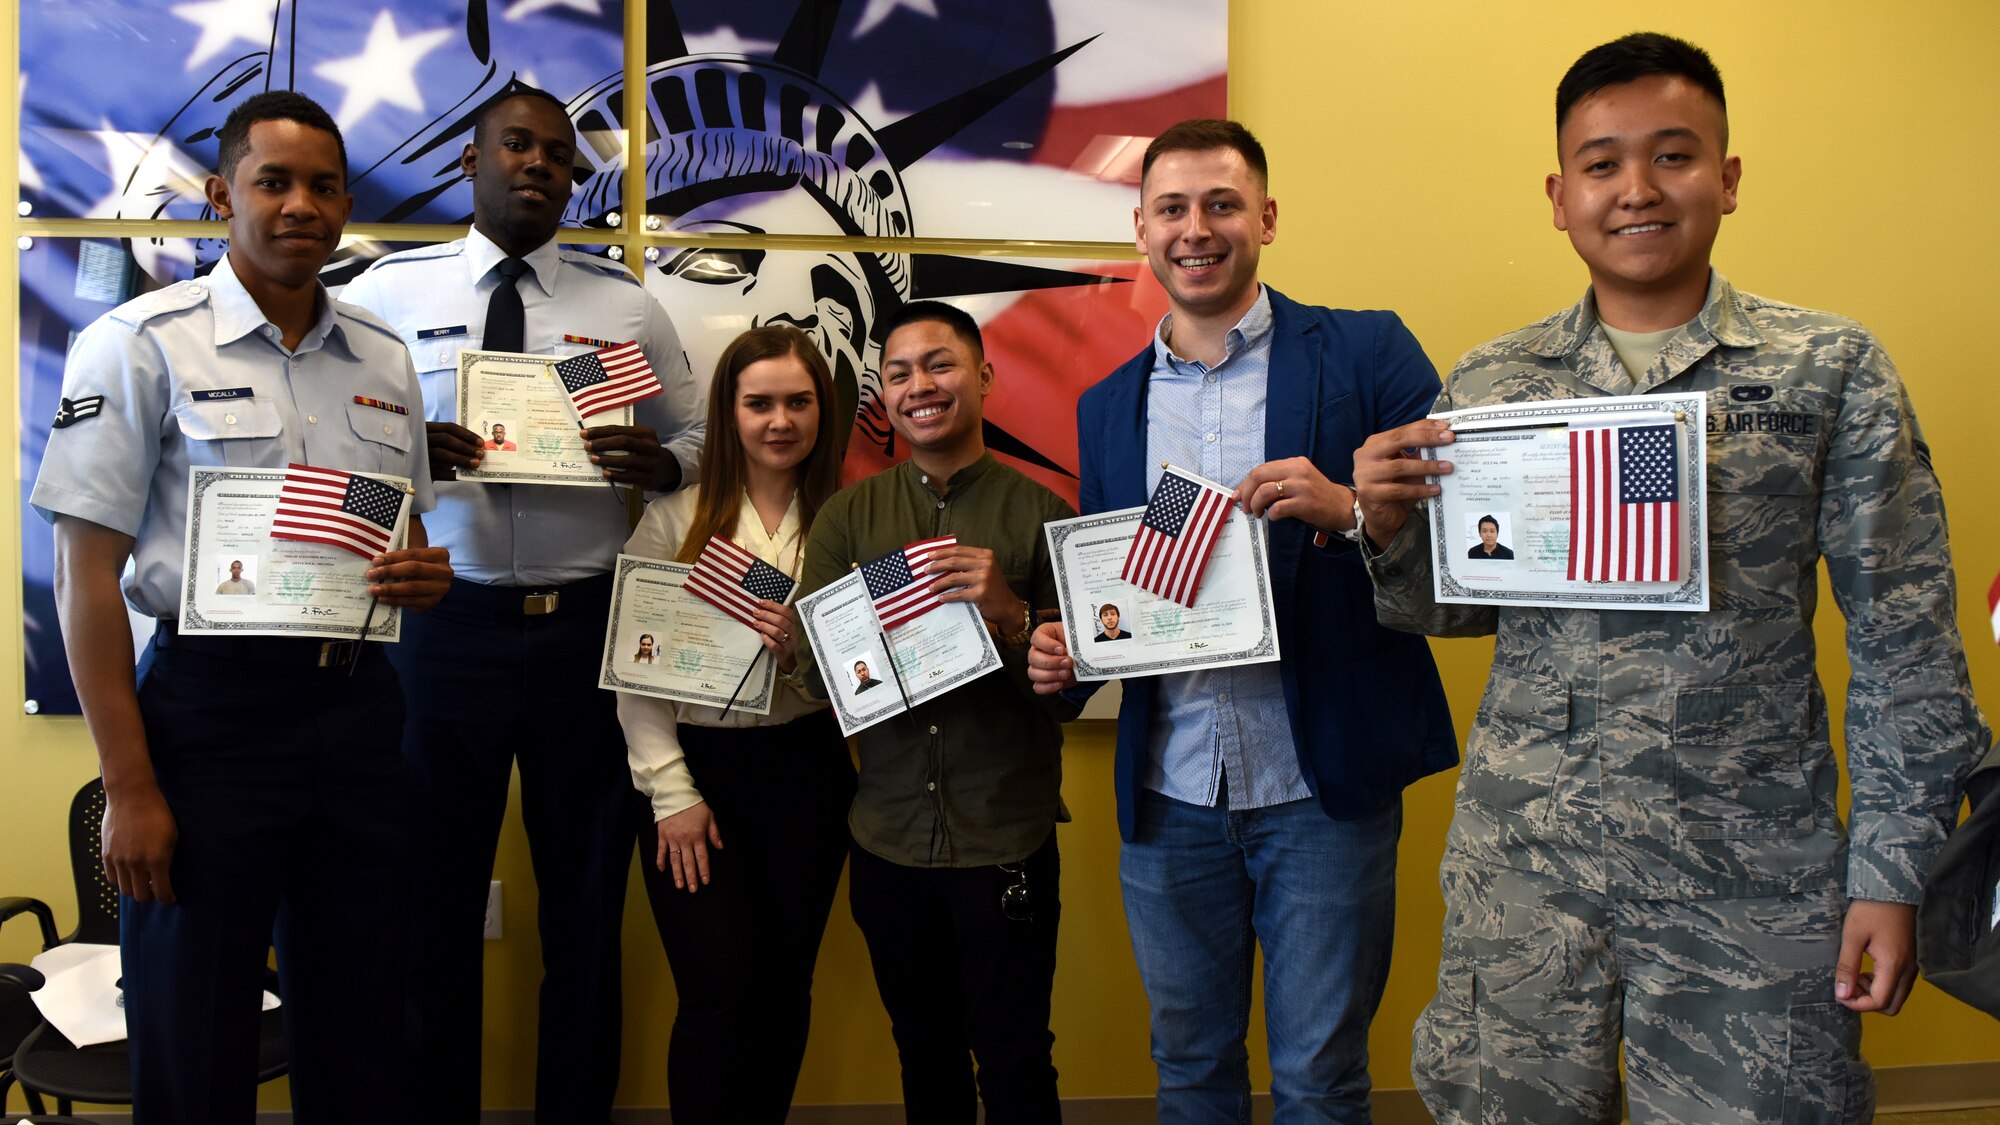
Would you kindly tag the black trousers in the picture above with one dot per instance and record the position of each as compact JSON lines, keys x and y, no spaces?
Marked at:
{"x":960,"y":977}
{"x":293,"y":807}
{"x":492,"y":688}
{"x":742,"y":948}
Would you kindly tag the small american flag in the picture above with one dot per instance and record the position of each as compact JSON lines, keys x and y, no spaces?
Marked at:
{"x":1624,"y":488}
{"x":1176,"y":536}
{"x":609,"y":379}
{"x":897,"y":582}
{"x":732,"y":580}
{"x":346,"y":510}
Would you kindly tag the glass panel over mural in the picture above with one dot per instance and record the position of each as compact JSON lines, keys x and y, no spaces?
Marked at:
{"x":121,"y":99}
{"x":934,"y":118}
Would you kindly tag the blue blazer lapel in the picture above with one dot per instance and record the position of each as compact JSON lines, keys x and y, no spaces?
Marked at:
{"x":1291,"y":415}
{"x":1291,"y":404}
{"x":1125,"y":430}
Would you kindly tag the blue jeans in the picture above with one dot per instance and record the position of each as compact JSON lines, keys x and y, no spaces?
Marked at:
{"x":1201,"y":886}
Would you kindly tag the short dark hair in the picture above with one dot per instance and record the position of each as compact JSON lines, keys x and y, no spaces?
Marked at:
{"x":272,"y":105}
{"x":916,"y":312}
{"x":1641,"y":54}
{"x":513,"y":90}
{"x":1200,"y":134}
{"x":1484,"y":520}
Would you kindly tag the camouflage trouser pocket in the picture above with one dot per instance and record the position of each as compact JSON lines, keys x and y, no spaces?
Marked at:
{"x":1517,"y":744}
{"x":1826,"y":1083}
{"x":1444,"y":1049}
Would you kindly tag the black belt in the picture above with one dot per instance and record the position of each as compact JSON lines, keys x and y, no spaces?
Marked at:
{"x":508,"y":602}
{"x":292,"y":652}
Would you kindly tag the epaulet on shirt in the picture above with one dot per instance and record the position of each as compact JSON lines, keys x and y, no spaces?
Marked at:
{"x":362,"y":316}
{"x":419,"y":254}
{"x":178,"y":297}
{"x":601,"y":265}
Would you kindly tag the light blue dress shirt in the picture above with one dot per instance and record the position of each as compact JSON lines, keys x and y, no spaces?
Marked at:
{"x":1223,"y":722}
{"x":435,"y":298}
{"x":161,"y":362}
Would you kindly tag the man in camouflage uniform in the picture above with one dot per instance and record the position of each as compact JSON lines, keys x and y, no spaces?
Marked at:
{"x":1646,"y":848}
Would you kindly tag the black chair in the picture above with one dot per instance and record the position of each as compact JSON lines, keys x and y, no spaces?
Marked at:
{"x":45,"y":1063}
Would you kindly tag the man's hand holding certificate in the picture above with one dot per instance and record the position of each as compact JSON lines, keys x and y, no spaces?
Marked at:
{"x":1593,"y":503}
{"x":1180,"y":584}
{"x":886,"y":639}
{"x":291,"y":552}
{"x":526,"y":413}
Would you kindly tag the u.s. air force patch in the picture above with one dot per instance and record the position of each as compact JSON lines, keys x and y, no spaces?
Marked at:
{"x":73,"y":411}
{"x":1763,"y":422}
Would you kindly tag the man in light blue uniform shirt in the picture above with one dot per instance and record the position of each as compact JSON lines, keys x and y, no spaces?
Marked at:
{"x":249,"y":781}
{"x":1261,"y":804}
{"x":515,"y":645}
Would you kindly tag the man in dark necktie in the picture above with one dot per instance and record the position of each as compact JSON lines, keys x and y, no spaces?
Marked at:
{"x":515,"y":641}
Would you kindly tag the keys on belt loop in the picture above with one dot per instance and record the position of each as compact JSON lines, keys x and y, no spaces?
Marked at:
{"x":536,"y":605}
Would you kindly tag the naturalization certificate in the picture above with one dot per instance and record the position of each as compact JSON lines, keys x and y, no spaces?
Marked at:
{"x":239,"y":580}
{"x":518,"y":408}
{"x":1115,"y":629}
{"x":663,"y":641}
{"x":1589,"y":503}
{"x":931,"y":654}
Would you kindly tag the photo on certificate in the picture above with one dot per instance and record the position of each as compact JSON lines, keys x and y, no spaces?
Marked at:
{"x":240,"y":579}
{"x":237,"y":578}
{"x":859,"y":670}
{"x":524,"y":421}
{"x":1592,"y":503}
{"x":931,"y":655}
{"x":1115,"y":629}
{"x":665,"y":642}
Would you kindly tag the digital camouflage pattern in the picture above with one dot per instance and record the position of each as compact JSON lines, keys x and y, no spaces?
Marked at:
{"x":1724,"y":1007}
{"x":1678,"y":759}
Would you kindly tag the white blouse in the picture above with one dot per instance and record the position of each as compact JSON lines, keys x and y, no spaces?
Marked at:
{"x":652,"y":744}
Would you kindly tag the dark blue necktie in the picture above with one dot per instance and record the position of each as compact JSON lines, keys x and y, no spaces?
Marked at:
{"x":506,"y":320}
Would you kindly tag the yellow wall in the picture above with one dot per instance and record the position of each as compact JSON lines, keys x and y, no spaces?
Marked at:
{"x":1409,"y":143}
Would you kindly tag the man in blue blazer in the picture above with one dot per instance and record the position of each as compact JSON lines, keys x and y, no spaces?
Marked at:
{"x":1260,"y":803}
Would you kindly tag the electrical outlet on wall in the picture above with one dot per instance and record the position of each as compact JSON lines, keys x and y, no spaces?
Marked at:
{"x":493,"y":911}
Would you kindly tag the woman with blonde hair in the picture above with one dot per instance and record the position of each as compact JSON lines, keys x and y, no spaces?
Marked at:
{"x":742,"y":920}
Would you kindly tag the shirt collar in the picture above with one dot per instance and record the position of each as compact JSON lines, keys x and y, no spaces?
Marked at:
{"x":237,"y":313}
{"x":750,"y":525}
{"x":1721,"y":318}
{"x":1250,"y":332}
{"x":959,"y":481}
{"x":481,"y":255}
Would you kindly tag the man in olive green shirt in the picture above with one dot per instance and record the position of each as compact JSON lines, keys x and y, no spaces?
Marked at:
{"x":954,"y":870}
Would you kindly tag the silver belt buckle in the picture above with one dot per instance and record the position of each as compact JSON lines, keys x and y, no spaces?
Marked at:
{"x":536,"y":605}
{"x":334,"y":654}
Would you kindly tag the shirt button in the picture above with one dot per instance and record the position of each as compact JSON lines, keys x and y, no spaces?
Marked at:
{"x":1222,"y":698}
{"x":268,"y":331}
{"x":933,"y":730}
{"x":520,"y":515}
{"x":1210,"y":378}
{"x":388,"y":429}
{"x":313,"y":418}
{"x":932,"y":787}
{"x":940,"y":505}
{"x":229,"y":418}
{"x":1208,"y":437}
